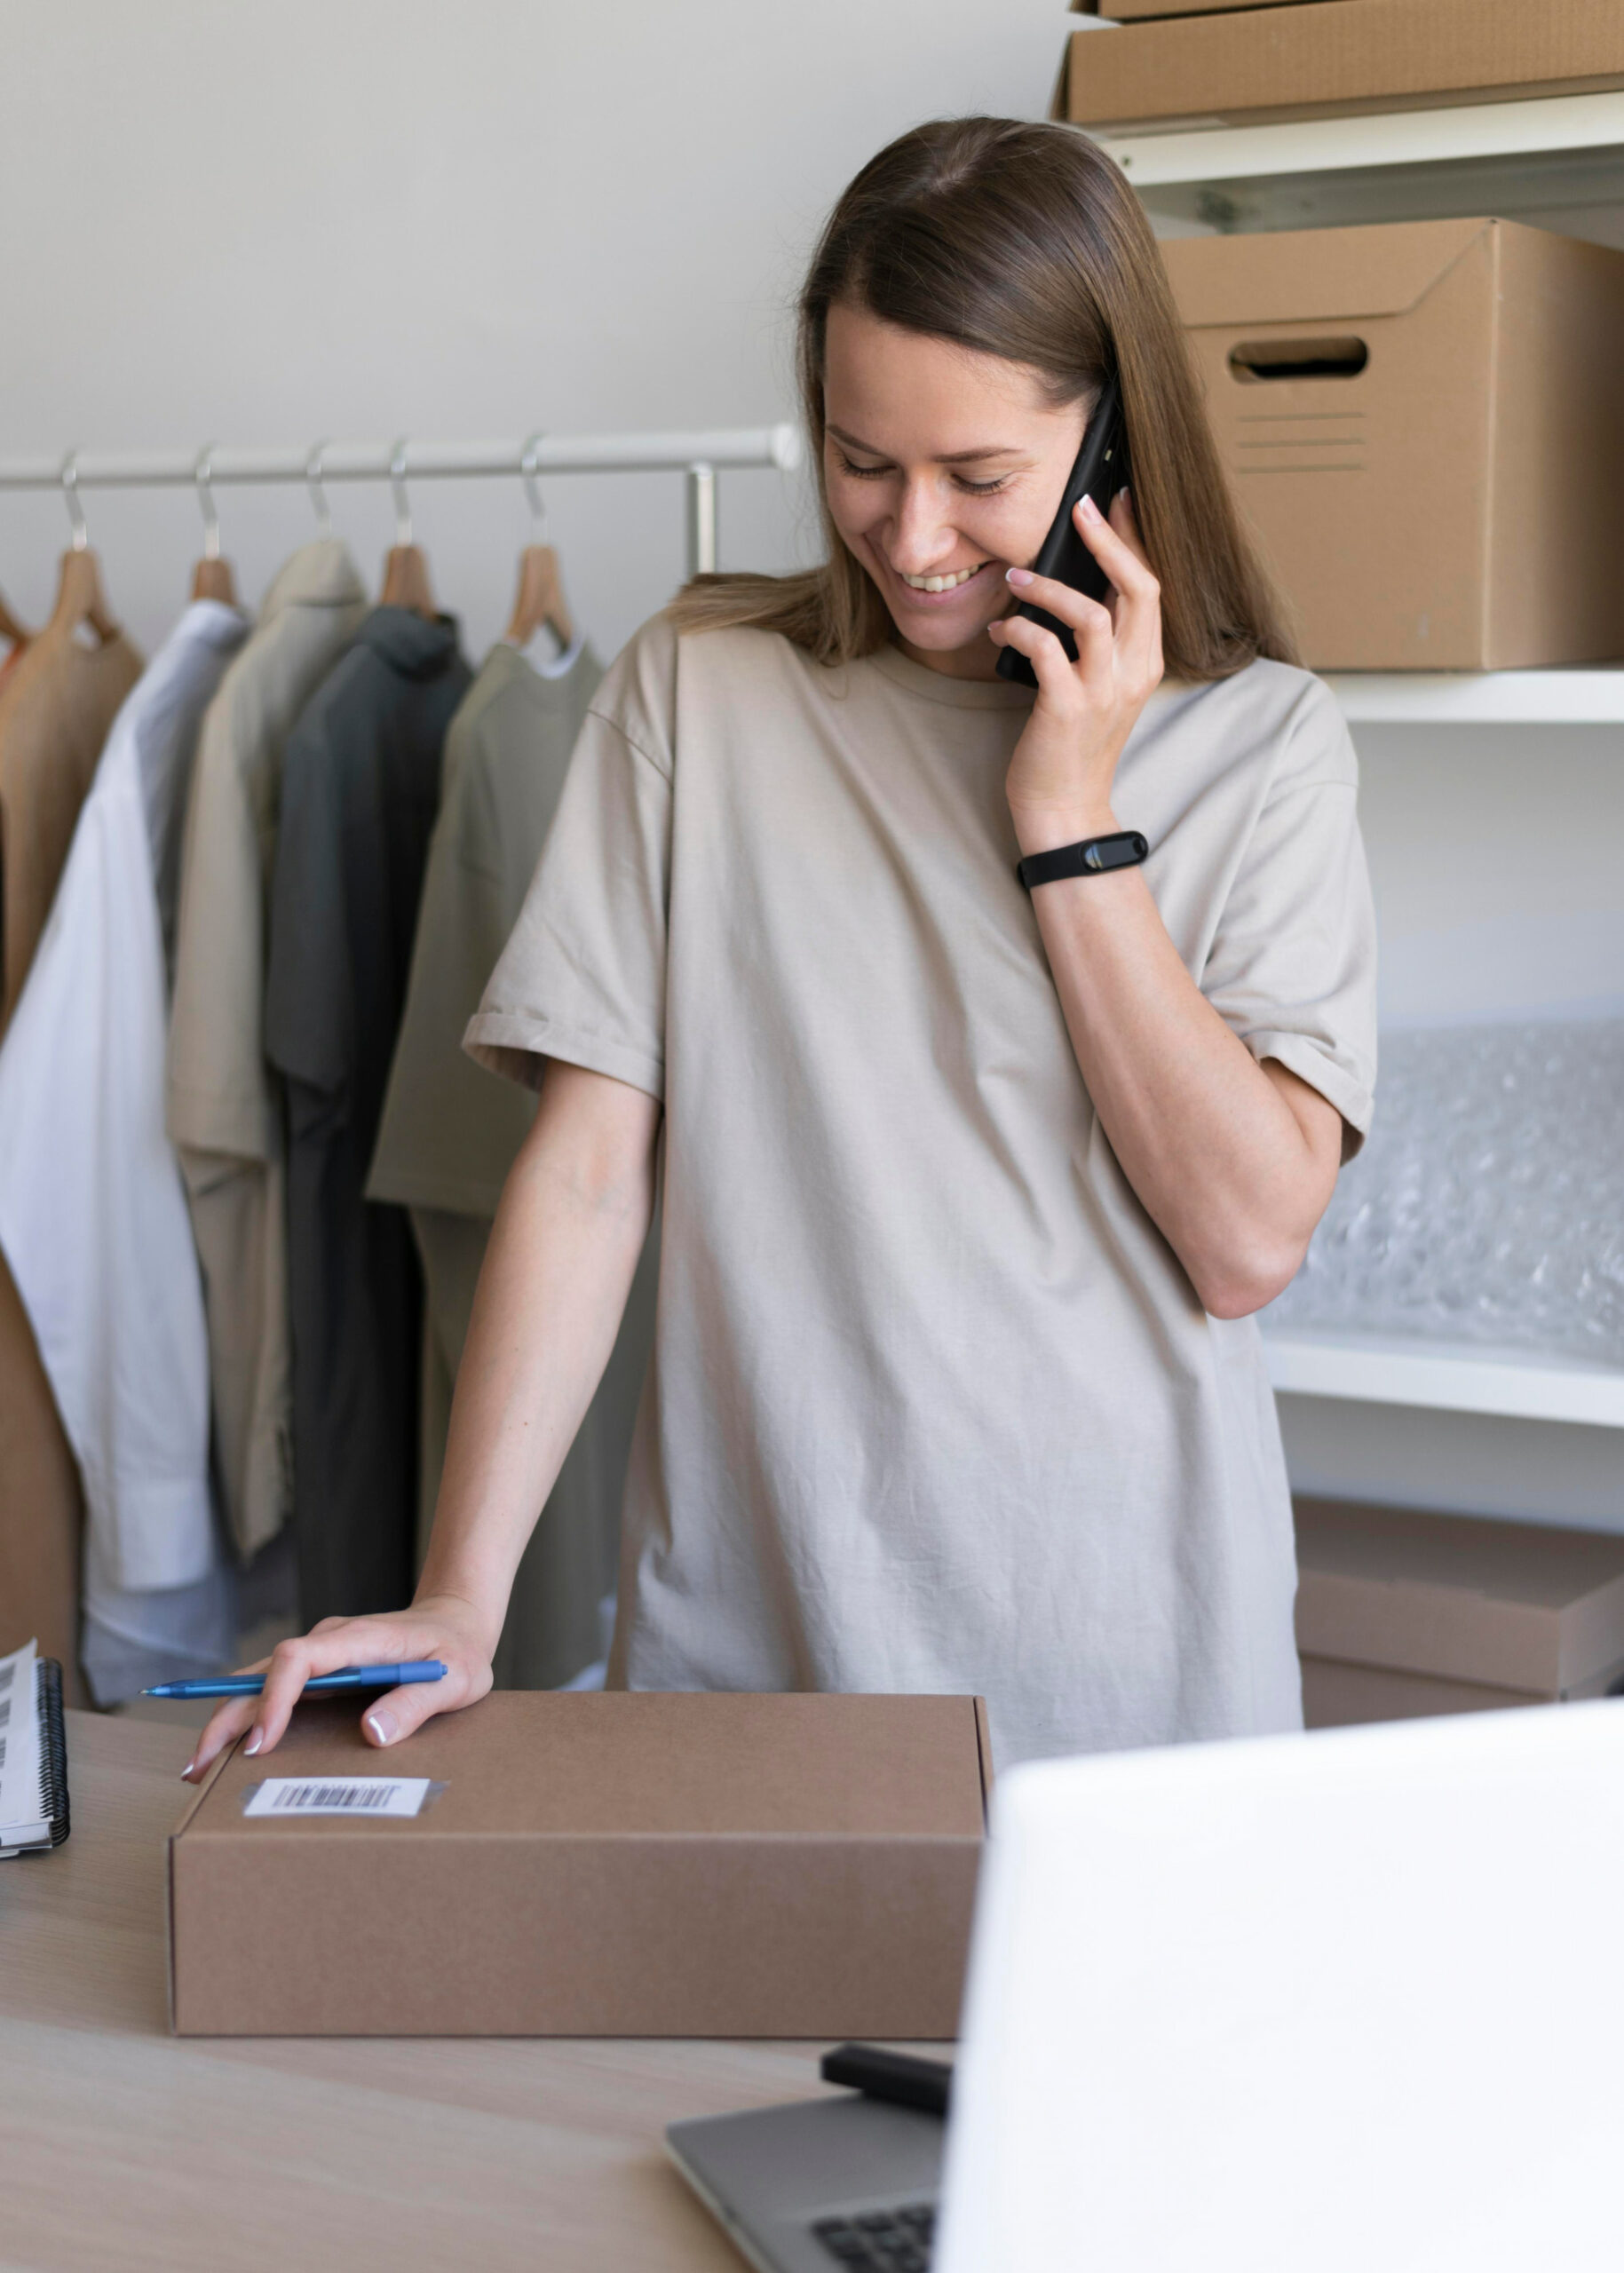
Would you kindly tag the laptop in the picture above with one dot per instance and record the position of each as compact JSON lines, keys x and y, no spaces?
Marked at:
{"x":1342,"y":2001}
{"x":819,"y":2185}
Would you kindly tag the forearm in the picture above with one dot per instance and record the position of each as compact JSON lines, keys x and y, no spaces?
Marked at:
{"x":1233,"y":1162}
{"x":572,"y":1224}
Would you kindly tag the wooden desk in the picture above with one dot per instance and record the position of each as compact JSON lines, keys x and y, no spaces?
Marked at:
{"x":123,"y":2147}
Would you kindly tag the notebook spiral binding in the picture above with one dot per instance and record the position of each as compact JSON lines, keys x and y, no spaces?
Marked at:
{"x":53,"y":1751}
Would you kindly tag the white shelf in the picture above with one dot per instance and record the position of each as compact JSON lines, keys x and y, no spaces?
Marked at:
{"x":1555,"y":698}
{"x":1376,"y":142}
{"x":1562,"y":154}
{"x":1448,"y":1378}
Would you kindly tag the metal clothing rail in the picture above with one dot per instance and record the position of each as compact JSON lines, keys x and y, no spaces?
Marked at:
{"x":699,"y":456}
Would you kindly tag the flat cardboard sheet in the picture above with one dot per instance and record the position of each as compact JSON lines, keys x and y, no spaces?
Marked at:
{"x":1513,"y":1610}
{"x":1125,"y":11}
{"x":597,"y":1864}
{"x":1322,"y":57}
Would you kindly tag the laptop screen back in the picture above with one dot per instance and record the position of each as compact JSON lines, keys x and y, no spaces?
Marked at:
{"x":1345,"y":2001}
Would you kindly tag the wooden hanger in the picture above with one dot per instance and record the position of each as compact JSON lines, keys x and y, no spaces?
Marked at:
{"x":10,"y":628}
{"x":80,"y":598}
{"x":540,"y":599}
{"x":406,"y":572}
{"x":406,"y":582}
{"x":211,"y":579}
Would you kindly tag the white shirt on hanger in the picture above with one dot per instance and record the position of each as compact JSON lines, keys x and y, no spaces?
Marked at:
{"x":547,"y":657}
{"x":93,"y":1215}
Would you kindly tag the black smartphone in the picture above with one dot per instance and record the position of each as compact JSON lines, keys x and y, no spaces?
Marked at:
{"x":1100,"y":470}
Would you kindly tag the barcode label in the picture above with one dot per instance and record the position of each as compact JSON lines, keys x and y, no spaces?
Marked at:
{"x":353,"y":1795}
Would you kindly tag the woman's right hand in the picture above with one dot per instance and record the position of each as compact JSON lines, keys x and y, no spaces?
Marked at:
{"x":440,"y":1626}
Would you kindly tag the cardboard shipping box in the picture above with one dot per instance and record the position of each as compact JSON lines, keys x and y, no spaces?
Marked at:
{"x":1401,"y":1614}
{"x":1424,"y":421}
{"x":613,"y":1864}
{"x":1323,"y":57}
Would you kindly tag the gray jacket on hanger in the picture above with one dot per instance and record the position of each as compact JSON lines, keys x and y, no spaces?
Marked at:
{"x":361,"y":788}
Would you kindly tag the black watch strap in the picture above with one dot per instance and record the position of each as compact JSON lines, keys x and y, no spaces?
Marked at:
{"x":1090,"y":857}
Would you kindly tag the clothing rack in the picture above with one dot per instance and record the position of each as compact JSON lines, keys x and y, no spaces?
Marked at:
{"x":699,"y":456}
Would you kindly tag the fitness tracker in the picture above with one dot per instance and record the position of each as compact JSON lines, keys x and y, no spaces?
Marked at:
{"x":1090,"y":857}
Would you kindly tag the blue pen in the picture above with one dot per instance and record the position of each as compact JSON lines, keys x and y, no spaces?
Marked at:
{"x":321,"y":1684}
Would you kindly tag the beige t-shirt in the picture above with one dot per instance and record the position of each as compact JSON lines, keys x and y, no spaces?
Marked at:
{"x":933,"y":1405}
{"x":223,"y":1101}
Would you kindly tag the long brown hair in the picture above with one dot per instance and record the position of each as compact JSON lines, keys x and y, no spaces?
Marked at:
{"x":1026,"y":242}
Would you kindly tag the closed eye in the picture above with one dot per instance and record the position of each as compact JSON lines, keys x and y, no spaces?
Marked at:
{"x":863,"y":472}
{"x":970,"y":488}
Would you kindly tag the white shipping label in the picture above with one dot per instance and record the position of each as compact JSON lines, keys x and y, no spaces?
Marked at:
{"x":356,"y":1795}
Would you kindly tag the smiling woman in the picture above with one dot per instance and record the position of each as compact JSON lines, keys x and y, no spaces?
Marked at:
{"x":1024,"y":248}
{"x":969,"y":1189}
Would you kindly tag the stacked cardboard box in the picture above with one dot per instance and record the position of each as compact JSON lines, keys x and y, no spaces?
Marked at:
{"x":1402,"y":1614}
{"x":1424,"y":425}
{"x":1319,"y":58}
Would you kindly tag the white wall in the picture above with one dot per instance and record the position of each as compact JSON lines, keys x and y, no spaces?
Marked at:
{"x":1497,"y":856}
{"x":271,"y":223}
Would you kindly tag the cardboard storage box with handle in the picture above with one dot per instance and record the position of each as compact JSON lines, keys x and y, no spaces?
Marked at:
{"x":613,"y":1864}
{"x":1424,"y":421}
{"x":1324,"y":58}
{"x":1401,"y":1613}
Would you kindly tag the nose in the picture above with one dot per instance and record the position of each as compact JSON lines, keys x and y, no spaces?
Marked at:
{"x":922,"y":537}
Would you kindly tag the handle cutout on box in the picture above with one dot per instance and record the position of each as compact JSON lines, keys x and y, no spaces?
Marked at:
{"x":1297,"y":359}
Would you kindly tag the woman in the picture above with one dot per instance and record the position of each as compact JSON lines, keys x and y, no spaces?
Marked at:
{"x":968,"y":1192}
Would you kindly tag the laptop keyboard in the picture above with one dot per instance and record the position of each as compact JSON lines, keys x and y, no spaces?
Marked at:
{"x":887,"y":2241}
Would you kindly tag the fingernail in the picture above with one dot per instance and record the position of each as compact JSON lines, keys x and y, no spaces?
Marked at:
{"x":254,"y":1741}
{"x":1090,"y":510}
{"x":186,"y":1770}
{"x":384,"y":1725}
{"x":1017,"y":576}
{"x":1125,"y":494}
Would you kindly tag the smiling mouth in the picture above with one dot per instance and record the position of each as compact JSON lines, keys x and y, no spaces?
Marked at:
{"x":947,"y":583}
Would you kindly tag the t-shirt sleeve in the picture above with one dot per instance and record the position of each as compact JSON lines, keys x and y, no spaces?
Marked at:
{"x":1293,"y":966}
{"x":582,"y":976}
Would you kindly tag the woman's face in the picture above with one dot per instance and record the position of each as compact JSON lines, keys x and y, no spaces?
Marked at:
{"x":944,"y":468}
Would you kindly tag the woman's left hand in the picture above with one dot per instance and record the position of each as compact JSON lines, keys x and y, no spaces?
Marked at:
{"x":1060,"y":778}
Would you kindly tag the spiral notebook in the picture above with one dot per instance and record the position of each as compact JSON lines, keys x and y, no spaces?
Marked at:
{"x":33,"y":1755}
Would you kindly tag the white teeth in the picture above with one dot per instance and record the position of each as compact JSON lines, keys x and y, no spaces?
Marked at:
{"x":943,"y":584}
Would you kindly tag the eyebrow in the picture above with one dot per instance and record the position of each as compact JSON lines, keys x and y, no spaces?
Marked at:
{"x":949,"y":457}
